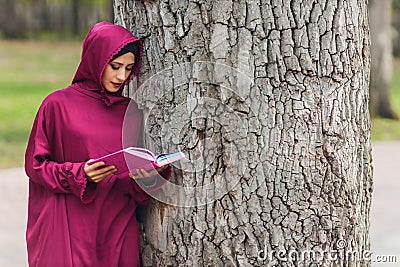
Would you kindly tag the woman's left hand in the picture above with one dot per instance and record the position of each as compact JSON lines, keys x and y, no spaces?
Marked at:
{"x":147,"y":177}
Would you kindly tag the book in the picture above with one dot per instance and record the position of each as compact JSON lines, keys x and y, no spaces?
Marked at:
{"x":131,"y":158}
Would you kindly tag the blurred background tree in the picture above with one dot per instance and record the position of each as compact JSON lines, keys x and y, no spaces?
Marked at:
{"x":396,"y":27}
{"x":381,"y":58}
{"x":61,"y":19}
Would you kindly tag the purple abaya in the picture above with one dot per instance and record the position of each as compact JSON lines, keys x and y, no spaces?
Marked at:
{"x":73,"y":222}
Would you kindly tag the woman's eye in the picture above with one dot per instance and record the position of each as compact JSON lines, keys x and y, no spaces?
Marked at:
{"x":129,"y":69}
{"x":114,"y":67}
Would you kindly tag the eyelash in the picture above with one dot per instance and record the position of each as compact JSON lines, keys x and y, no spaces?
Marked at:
{"x":117,"y":68}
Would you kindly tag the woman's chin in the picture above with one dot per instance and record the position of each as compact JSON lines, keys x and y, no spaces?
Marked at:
{"x":112,"y":90}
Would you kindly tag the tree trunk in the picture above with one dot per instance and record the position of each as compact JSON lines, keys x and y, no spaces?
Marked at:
{"x":75,"y":17}
{"x":395,"y":16}
{"x":381,"y":58}
{"x":10,"y":24}
{"x":269,"y":100}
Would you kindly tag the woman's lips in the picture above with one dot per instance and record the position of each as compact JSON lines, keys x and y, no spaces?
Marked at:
{"x":116,"y":84}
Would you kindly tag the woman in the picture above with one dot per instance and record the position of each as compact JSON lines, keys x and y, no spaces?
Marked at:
{"x":76,"y":217}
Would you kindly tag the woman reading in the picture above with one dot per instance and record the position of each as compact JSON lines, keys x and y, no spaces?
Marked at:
{"x":81,"y":215}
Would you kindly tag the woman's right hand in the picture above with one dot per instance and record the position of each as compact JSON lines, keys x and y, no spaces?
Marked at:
{"x":97,"y":171}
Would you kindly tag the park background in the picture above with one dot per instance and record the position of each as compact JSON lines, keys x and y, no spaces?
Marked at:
{"x":40,"y":45}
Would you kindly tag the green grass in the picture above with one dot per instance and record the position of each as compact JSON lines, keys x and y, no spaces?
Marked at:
{"x":28,"y":72}
{"x":395,"y":97}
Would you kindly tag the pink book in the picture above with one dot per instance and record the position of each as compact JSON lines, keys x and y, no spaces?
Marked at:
{"x":132,"y":158}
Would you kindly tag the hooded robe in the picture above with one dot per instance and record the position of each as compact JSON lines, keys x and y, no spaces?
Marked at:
{"x":72,"y":221}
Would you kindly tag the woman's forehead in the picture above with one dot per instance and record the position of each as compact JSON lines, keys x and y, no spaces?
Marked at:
{"x":127,"y":58}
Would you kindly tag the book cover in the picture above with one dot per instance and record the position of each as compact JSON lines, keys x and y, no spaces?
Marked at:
{"x":133,"y":158}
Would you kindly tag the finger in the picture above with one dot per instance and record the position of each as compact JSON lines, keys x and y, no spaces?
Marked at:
{"x":149,"y":174}
{"x":89,"y":168}
{"x":135,"y":176}
{"x":141,"y":173}
{"x":110,"y":172}
{"x":96,"y":165}
{"x":100,"y":174}
{"x":103,"y":170}
{"x":152,"y":173}
{"x":99,"y":178}
{"x":160,"y":169}
{"x":95,"y":179}
{"x":145,"y":174}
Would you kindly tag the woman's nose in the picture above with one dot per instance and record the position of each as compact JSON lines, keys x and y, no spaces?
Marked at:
{"x":121,"y":75}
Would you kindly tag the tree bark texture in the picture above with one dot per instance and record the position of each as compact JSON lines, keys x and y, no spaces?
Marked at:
{"x":301,"y":126}
{"x":381,"y":58}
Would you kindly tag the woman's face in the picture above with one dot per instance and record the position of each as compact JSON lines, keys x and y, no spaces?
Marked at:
{"x":117,"y":71}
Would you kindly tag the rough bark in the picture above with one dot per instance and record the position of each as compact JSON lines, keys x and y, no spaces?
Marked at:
{"x":381,"y":58}
{"x":299,"y":122}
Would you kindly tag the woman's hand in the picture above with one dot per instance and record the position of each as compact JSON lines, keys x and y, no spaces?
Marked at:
{"x":147,"y":177}
{"x":97,"y":173}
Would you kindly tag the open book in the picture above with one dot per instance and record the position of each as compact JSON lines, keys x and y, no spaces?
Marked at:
{"x":132,"y":158}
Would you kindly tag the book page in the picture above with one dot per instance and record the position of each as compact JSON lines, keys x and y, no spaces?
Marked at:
{"x":170,"y":158}
{"x":141,"y":152}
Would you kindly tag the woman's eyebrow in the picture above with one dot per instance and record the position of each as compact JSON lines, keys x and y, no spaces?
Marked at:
{"x":119,"y":63}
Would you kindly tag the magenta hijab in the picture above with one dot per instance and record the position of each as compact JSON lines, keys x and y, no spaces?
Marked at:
{"x":103,"y":41}
{"x":71,"y":221}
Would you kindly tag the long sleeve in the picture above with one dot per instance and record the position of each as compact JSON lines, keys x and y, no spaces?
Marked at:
{"x":43,"y":169}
